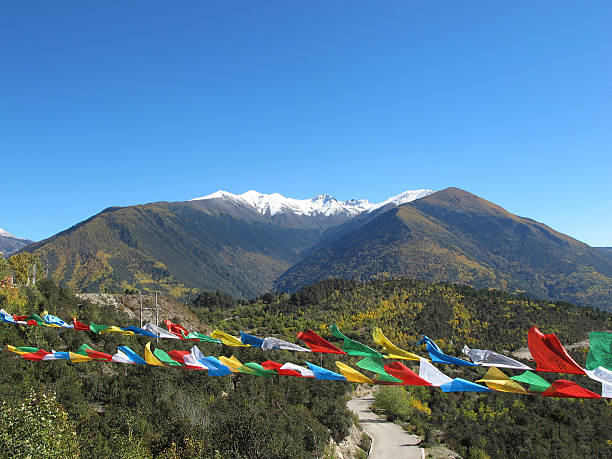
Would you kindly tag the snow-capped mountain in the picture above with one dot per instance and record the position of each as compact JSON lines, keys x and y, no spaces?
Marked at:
{"x":321,"y":205}
{"x":7,"y":234}
{"x":10,"y":244}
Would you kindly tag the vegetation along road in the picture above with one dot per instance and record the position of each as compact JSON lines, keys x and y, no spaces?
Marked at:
{"x":388,"y":439}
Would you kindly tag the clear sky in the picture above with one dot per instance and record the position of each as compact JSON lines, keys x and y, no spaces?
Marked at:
{"x":120,"y":103}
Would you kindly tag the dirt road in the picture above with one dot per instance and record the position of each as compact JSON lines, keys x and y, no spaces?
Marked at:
{"x":389,"y":439}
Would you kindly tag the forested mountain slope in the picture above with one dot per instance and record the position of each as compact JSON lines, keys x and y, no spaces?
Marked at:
{"x":455,"y":236}
{"x":175,"y":247}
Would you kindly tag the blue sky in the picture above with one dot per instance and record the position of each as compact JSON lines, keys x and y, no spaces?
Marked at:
{"x":119,"y":103}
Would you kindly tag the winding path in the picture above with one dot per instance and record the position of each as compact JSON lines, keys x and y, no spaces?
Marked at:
{"x":389,"y":440}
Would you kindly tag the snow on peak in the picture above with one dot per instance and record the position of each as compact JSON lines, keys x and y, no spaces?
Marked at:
{"x":403,"y":198}
{"x":322,"y":204}
{"x":7,"y":234}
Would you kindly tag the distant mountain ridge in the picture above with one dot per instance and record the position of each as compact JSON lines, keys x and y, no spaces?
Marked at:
{"x":605,"y":250}
{"x":10,"y":244}
{"x":323,"y":204}
{"x":252,"y":243}
{"x":219,"y":241}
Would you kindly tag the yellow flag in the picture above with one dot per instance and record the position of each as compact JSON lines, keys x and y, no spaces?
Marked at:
{"x":79,"y":357}
{"x":150,"y":357}
{"x":228,"y":340}
{"x":16,"y":350}
{"x":232,"y":363}
{"x":496,"y":379}
{"x":393,"y":351}
{"x":353,"y":375}
{"x":115,"y":329}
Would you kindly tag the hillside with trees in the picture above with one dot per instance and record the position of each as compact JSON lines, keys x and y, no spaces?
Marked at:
{"x":455,"y":236}
{"x":103,"y":409}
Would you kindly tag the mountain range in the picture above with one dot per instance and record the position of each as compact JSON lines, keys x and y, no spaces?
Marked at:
{"x":10,"y":244}
{"x":251,"y":243}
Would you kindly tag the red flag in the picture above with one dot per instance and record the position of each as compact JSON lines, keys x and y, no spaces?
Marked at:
{"x":271,"y":365}
{"x":568,"y":389}
{"x":549,"y":354}
{"x":409,"y":377}
{"x":79,"y":326}
{"x":38,"y":355}
{"x":175,"y":329}
{"x":318,"y":344}
{"x":178,"y":355}
{"x":98,"y":355}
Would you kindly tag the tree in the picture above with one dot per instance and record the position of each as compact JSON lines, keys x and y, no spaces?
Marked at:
{"x":5,"y":268}
{"x":38,"y":427}
{"x":25,"y":265}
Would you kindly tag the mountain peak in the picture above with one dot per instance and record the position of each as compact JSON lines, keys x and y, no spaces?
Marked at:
{"x":322,"y":204}
{"x":7,"y":234}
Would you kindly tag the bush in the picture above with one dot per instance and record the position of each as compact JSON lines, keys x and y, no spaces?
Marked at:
{"x":38,"y":427}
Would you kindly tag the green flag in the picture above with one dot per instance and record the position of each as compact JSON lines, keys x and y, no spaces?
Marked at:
{"x":353,"y":347}
{"x":98,"y":328}
{"x":600,"y":352}
{"x":202,"y":337}
{"x":536,"y":383}
{"x":375,"y":365}
{"x":256,"y":369}
{"x":165,"y":358}
{"x":83,"y":349}
{"x":36,"y":318}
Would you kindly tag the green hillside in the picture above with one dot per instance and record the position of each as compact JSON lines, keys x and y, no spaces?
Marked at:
{"x":173,"y":247}
{"x":61,"y":409}
{"x":101,"y":409}
{"x":496,"y":425}
{"x":455,"y":236}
